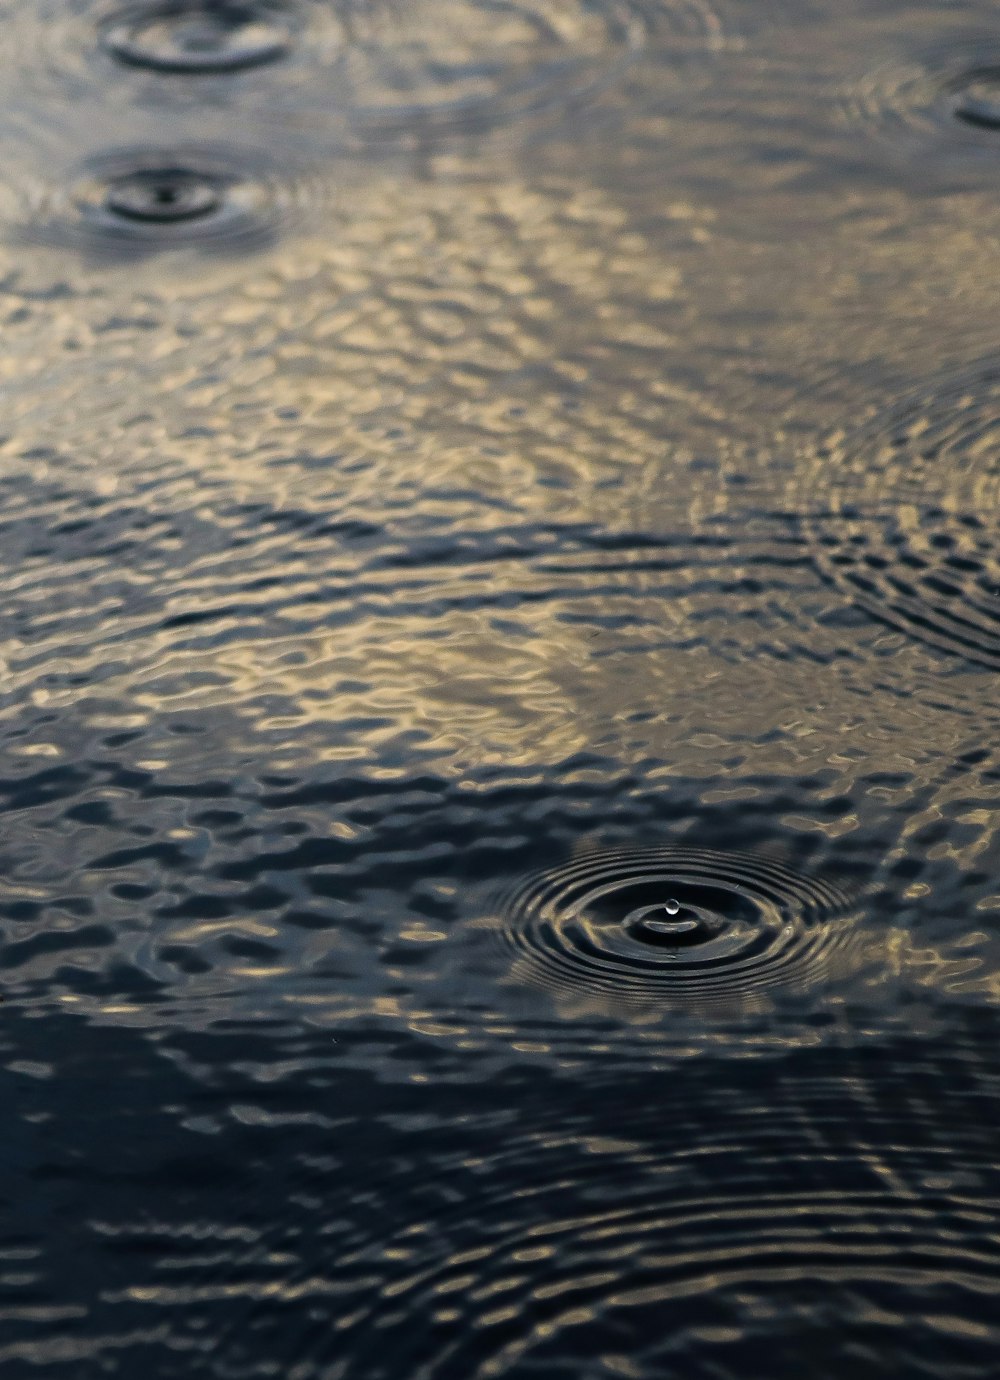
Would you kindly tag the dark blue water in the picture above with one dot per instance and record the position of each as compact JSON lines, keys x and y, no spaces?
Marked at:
{"x":501,"y":615}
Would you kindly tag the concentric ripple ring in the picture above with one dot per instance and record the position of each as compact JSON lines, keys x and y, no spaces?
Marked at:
{"x":945,"y":105}
{"x":163,"y":196}
{"x":904,"y":519}
{"x":192,"y":38}
{"x":143,"y":200}
{"x":680,"y":1238}
{"x":977,"y":98}
{"x":675,"y":925}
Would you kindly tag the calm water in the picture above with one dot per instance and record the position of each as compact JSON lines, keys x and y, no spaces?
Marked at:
{"x":502,"y":612}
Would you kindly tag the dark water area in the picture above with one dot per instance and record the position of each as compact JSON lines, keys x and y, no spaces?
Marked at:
{"x":500,"y":779}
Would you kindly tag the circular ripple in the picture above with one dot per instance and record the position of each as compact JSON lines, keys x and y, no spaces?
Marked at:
{"x":710,"y":1284}
{"x":651,"y":1231}
{"x":379,"y":72}
{"x":675,"y":925}
{"x":142,"y":200}
{"x":949,"y":101}
{"x":164,"y":196}
{"x":477,"y":66}
{"x":976,"y":98}
{"x":184,"y":36}
{"x":907,"y":523}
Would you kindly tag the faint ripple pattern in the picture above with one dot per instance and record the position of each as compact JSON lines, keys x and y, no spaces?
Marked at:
{"x":903,"y":514}
{"x":361,"y":76}
{"x":847,"y":1205}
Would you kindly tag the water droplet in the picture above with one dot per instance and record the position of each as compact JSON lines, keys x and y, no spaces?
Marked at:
{"x":663,"y":924}
{"x":676,"y":924}
{"x":185,"y":36}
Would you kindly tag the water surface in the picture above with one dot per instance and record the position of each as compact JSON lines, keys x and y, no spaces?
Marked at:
{"x":499,"y":781}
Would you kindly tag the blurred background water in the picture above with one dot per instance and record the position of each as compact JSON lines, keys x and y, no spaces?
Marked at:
{"x":502,"y":609}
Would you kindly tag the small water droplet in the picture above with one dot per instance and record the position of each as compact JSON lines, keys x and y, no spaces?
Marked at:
{"x":672,"y":907}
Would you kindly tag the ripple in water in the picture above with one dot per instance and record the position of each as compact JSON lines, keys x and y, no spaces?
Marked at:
{"x":476,"y":66}
{"x":977,"y":98}
{"x":378,"y":72}
{"x":710,"y":1283}
{"x":907,"y":522}
{"x":950,"y":102}
{"x":140,"y":201}
{"x":184,"y":36}
{"x":675,"y":925}
{"x":663,"y":1230}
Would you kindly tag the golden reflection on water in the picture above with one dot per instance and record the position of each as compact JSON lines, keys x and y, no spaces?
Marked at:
{"x":497,"y":467}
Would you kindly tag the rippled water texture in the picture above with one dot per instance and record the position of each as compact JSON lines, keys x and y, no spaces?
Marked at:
{"x":906,"y":521}
{"x":499,"y":716}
